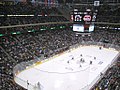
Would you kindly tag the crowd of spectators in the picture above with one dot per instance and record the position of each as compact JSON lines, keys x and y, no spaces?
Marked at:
{"x":6,"y":72}
{"x":25,"y":47}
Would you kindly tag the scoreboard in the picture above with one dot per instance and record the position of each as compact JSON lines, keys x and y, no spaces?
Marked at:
{"x":83,"y":21}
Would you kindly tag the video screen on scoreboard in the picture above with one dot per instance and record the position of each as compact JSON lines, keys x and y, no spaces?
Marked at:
{"x":83,"y":28}
{"x":78,"y":27}
{"x":91,"y":28}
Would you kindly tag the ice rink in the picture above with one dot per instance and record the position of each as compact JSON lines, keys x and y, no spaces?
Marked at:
{"x":78,"y":69}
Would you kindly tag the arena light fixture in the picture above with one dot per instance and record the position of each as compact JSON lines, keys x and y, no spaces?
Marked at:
{"x":42,"y":29}
{"x":29,"y":31}
{"x":13,"y":32}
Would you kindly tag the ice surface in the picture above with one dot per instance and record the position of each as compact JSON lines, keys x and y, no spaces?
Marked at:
{"x":67,"y":71}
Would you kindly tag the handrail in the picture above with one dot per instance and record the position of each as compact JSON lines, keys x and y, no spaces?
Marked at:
{"x":48,"y":23}
{"x":36,"y":24}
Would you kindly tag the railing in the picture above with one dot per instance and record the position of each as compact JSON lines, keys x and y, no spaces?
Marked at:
{"x":35,"y":24}
{"x":25,"y":65}
{"x":49,"y":23}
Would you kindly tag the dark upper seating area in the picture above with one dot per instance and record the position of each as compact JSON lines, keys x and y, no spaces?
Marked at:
{"x":31,"y":20}
{"x":27,"y":9}
{"x":35,"y":14}
{"x":109,"y":14}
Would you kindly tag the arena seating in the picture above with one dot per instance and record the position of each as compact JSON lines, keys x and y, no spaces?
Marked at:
{"x":6,"y":75}
{"x":40,"y":14}
{"x":108,"y":14}
{"x":27,"y":9}
{"x":30,"y":20}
